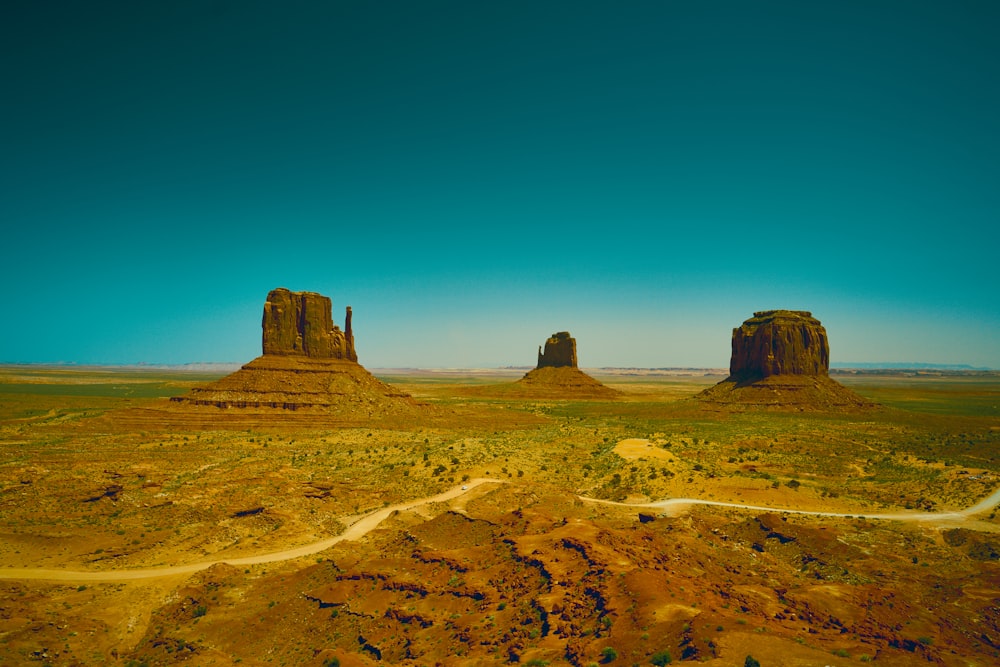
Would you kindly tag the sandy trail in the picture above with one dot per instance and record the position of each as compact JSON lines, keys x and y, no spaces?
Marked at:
{"x":369,"y":522}
{"x":355,"y":531}
{"x":987,"y":503}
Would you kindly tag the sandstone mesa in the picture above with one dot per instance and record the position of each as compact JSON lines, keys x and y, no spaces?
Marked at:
{"x":301,"y":323}
{"x":781,"y":359}
{"x":779,"y":342}
{"x":557,"y":374}
{"x":560,"y":350}
{"x":308,"y":362}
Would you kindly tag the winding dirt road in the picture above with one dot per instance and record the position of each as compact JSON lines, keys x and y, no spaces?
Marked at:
{"x":369,"y":522}
{"x":987,"y":503}
{"x":355,"y":531}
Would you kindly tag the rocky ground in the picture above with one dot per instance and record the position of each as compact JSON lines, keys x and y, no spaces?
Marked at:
{"x":520,"y":570}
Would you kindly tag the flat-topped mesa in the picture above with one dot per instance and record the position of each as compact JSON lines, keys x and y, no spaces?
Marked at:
{"x":560,"y":350}
{"x":779,"y":342}
{"x":300,"y":323}
{"x":781,"y":361}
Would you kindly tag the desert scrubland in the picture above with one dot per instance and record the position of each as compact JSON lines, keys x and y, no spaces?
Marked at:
{"x":135,"y":530}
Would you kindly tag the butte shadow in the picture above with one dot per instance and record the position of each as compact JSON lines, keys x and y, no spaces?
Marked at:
{"x":555,"y":376}
{"x":781,"y":360}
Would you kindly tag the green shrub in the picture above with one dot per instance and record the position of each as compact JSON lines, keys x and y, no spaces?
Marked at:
{"x":661,"y":658}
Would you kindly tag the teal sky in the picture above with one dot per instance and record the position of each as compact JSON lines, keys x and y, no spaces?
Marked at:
{"x":474,"y":176}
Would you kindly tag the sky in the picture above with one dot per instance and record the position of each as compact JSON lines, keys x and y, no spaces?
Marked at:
{"x":473,"y":176}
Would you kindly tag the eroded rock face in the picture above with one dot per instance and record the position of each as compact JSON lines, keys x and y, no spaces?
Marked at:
{"x":560,"y":350}
{"x":300,"y":323}
{"x":779,"y":342}
{"x":309,"y":366}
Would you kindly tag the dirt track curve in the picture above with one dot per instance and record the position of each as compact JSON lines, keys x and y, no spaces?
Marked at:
{"x":369,"y":522}
{"x":987,"y":503}
{"x":355,"y":531}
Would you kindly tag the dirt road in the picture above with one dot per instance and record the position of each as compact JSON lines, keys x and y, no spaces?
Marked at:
{"x":986,"y":504}
{"x":355,"y":531}
{"x":369,"y":522}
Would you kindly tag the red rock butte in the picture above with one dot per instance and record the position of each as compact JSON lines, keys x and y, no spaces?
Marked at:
{"x":560,"y":350}
{"x":309,"y":363}
{"x":557,"y":375}
{"x":779,"y":342}
{"x":301,"y":323}
{"x":781,"y":359}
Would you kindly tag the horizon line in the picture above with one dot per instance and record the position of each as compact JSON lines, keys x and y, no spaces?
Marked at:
{"x":853,"y":365}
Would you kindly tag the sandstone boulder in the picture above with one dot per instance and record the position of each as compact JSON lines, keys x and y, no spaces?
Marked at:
{"x":560,"y":350}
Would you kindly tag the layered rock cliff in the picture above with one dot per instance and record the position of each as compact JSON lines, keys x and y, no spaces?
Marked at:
{"x":309,"y":364}
{"x":781,"y":360}
{"x":560,"y":351}
{"x":557,"y":374}
{"x":301,"y":323}
{"x":779,"y":342}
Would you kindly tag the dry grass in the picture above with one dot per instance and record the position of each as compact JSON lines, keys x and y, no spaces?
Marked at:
{"x":92,"y":478}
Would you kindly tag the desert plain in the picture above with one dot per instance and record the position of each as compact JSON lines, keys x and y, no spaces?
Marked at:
{"x":490,"y":527}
